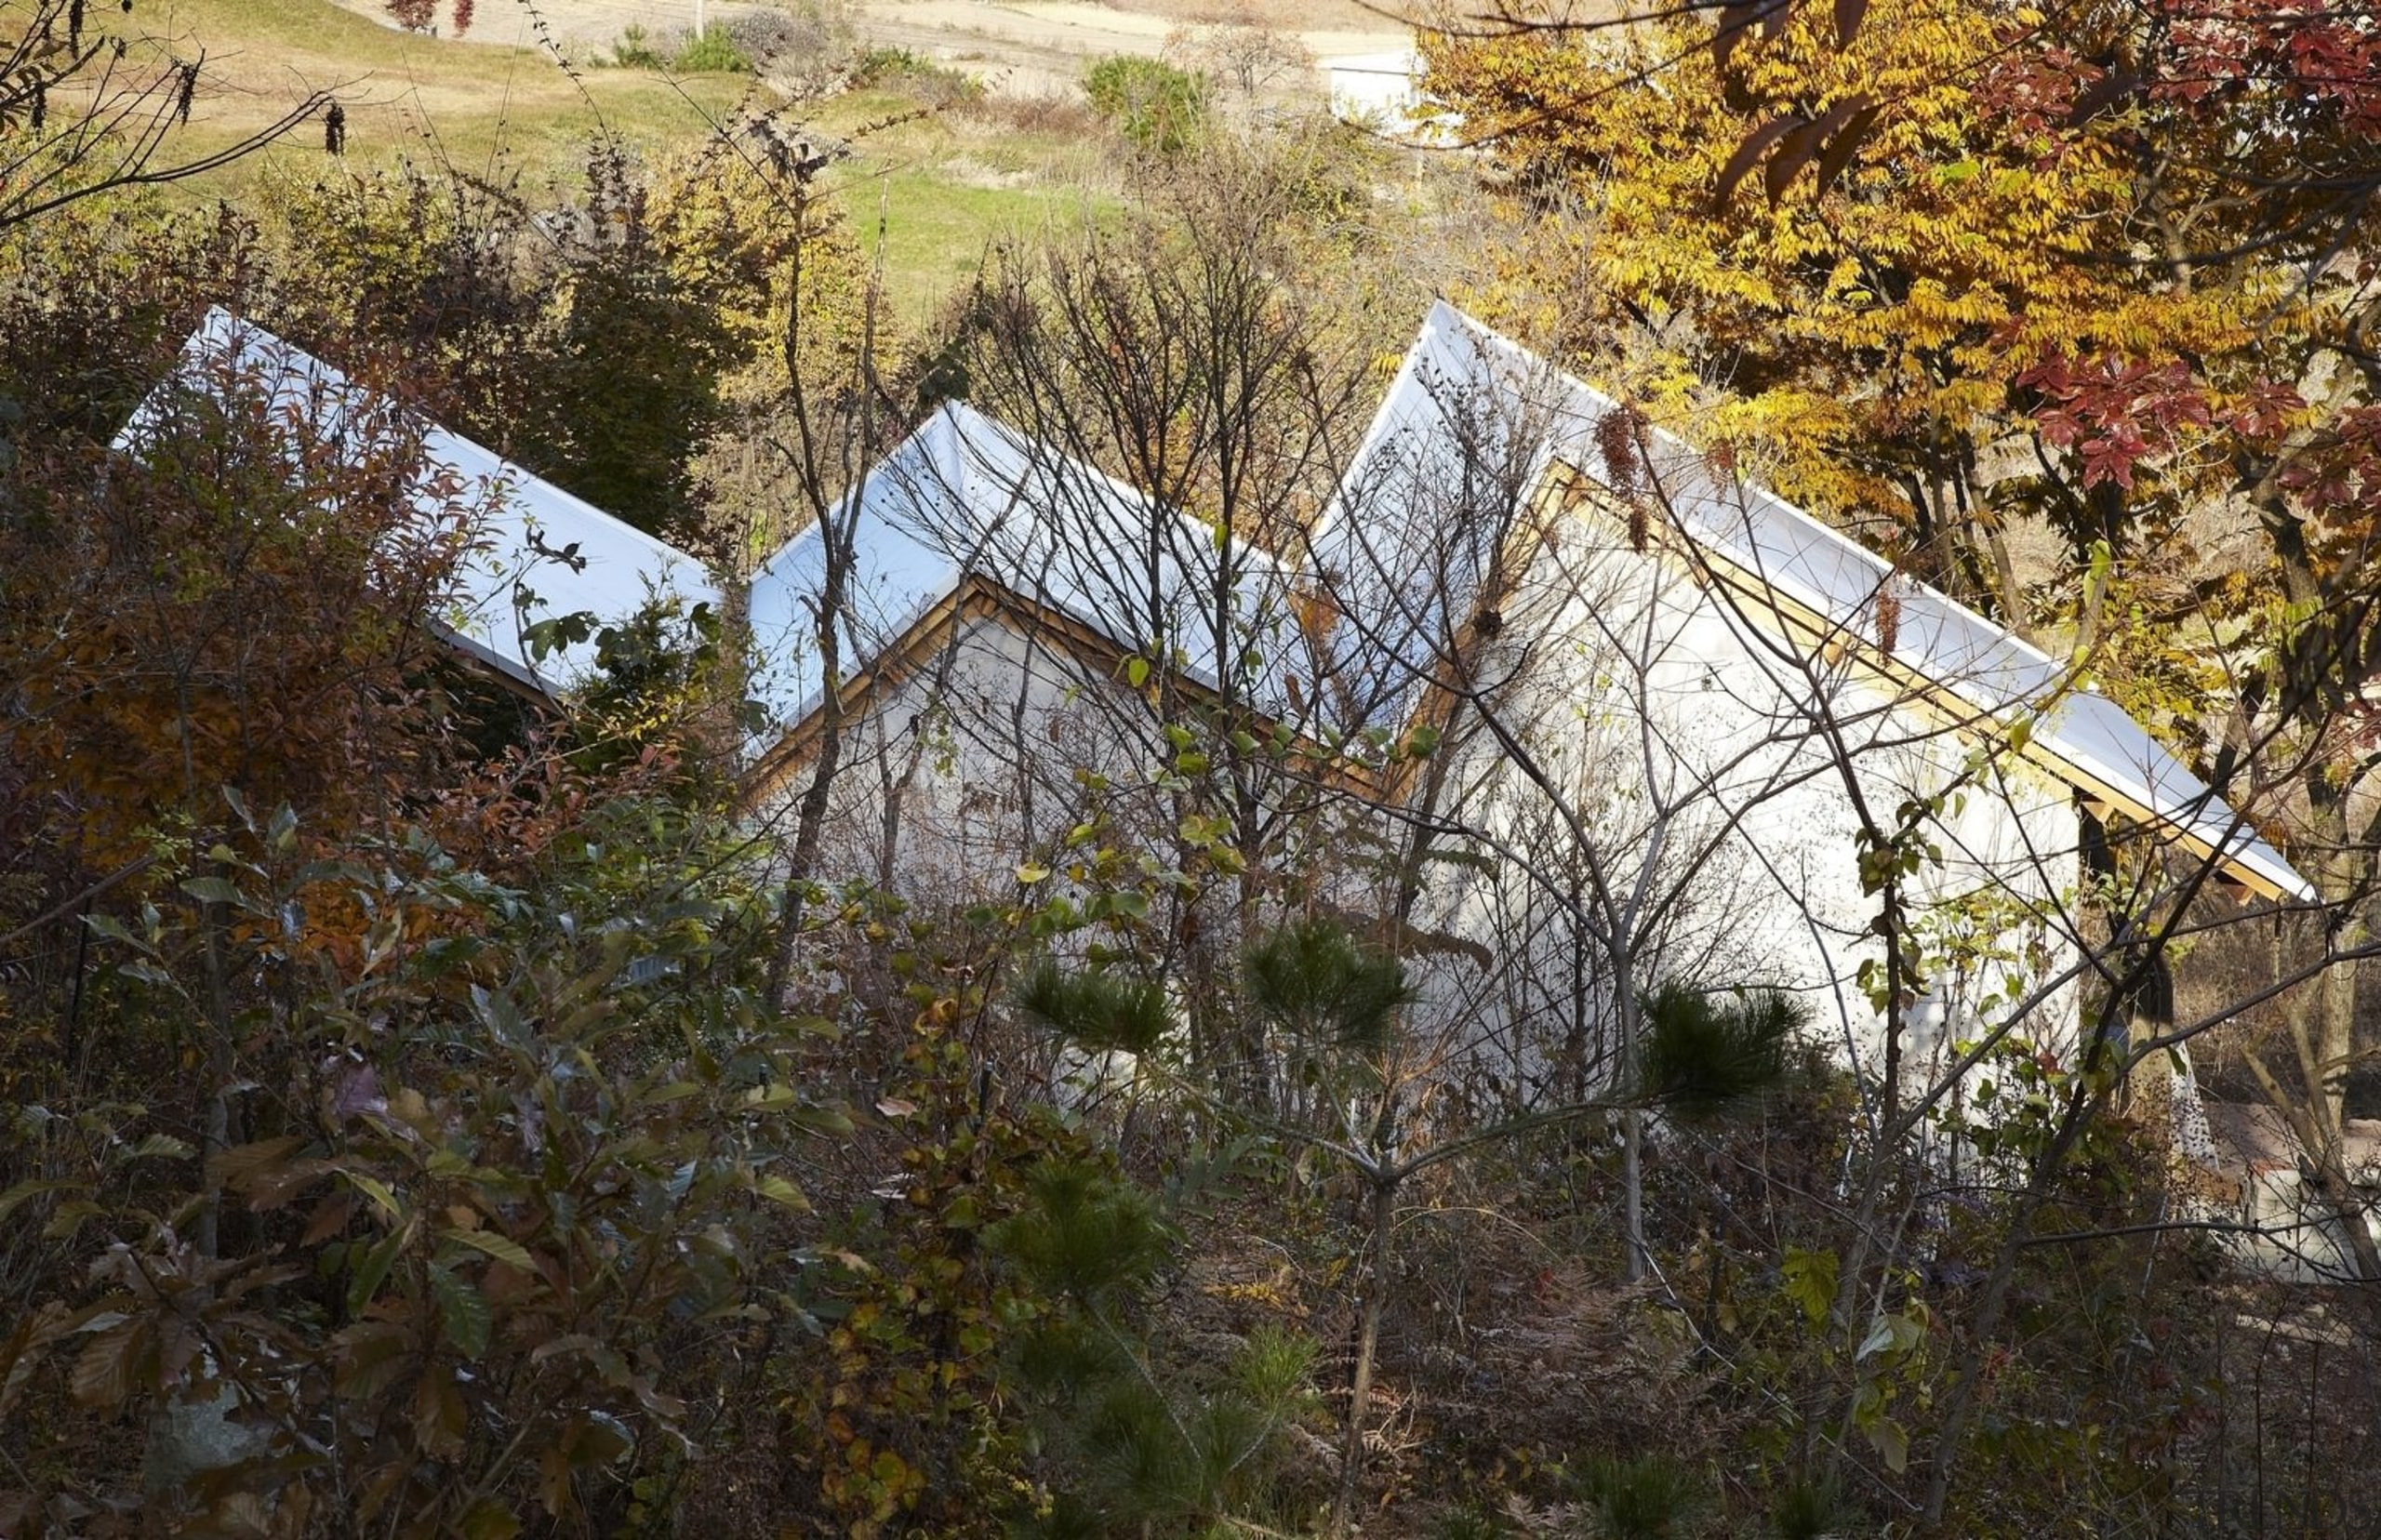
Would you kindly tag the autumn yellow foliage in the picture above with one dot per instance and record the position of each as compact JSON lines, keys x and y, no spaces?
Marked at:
{"x":1865,"y":333}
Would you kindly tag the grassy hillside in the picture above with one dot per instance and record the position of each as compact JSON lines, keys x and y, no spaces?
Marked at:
{"x":483,"y":109}
{"x":941,"y":187}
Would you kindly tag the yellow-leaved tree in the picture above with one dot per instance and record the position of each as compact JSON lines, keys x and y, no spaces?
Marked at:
{"x":2110,"y":265}
{"x":1844,"y":237}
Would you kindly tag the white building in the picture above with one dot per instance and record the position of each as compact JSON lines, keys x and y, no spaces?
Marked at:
{"x":1668,"y":707}
{"x":1384,"y":92}
{"x":1662,"y":742}
{"x":532,"y":552}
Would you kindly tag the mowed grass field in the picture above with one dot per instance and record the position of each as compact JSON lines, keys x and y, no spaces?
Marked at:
{"x":933,"y":190}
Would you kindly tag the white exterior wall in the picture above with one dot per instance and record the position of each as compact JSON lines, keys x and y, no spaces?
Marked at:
{"x":2288,"y":1231}
{"x":1383,"y":91}
{"x":1696,"y":758}
{"x":972,"y":754}
{"x":1650,"y":697}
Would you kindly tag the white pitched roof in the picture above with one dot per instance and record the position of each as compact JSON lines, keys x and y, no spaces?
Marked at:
{"x":965,"y":497}
{"x":1470,"y":415}
{"x":591,"y":561}
{"x":1469,"y":404}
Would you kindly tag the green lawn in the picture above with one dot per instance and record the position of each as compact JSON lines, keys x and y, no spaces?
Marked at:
{"x":939,"y":189}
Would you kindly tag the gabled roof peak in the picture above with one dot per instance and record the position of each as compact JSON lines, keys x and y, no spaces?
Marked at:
{"x":540,"y":552}
{"x":965,"y":497}
{"x":1798,"y":558}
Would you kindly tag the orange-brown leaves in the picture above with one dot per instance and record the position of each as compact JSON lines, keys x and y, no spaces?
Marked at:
{"x":238,"y":608}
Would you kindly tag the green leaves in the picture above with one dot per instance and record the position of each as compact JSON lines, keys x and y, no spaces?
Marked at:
{"x":371,"y":1269}
{"x":490,"y":1520}
{"x":490,"y":1243}
{"x":1098,"y":1010}
{"x":25,"y":1191}
{"x":778,"y":1190}
{"x":1314,"y":980}
{"x":382,"y":1197}
{"x":1154,"y":105}
{"x":1809,"y":1280}
{"x":1649,"y":1498}
{"x":1085,"y":1235}
{"x":211,"y":890}
{"x":464,"y":1316}
{"x":1893,"y":1333}
{"x":1702,"y":1054}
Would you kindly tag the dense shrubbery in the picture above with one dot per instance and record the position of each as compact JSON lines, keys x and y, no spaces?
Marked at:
{"x":715,"y":50}
{"x":1154,"y":105}
{"x":400,"y":1132}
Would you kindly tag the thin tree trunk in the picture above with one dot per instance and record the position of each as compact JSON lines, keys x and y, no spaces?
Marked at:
{"x":1359,"y":1392}
{"x":1636,"y":1263}
{"x":836,"y":525}
{"x":1632,"y":1182}
{"x":810,"y":814}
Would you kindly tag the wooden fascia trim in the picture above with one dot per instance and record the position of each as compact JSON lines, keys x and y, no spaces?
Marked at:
{"x":1934,"y":700}
{"x":977,"y":598}
{"x":1906,"y":686}
{"x":908,"y":653}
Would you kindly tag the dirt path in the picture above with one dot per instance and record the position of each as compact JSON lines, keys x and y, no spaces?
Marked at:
{"x":581,"y":27}
{"x":1024,"y":47}
{"x":1039,"y":47}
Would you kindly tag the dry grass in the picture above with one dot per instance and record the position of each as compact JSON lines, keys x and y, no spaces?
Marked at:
{"x":1279,"y":15}
{"x":486,"y":110}
{"x":941,"y":187}
{"x":937,"y":191}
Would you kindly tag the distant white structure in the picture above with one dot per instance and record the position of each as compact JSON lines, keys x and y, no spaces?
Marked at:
{"x":1383,"y":92}
{"x":2267,"y":1211}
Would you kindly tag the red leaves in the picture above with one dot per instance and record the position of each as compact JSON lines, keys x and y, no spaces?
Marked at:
{"x":2336,"y":476}
{"x":2322,"y":59}
{"x":2114,"y":413}
{"x":108,"y":1369}
{"x":1618,"y":434}
{"x":2103,"y":95}
{"x":1620,"y":443}
{"x":2265,"y":412}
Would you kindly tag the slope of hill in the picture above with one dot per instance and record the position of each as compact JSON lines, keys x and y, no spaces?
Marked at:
{"x":482,"y":109}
